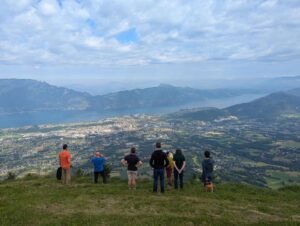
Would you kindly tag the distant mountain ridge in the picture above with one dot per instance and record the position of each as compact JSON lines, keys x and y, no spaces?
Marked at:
{"x":273,"y":105}
{"x":160,"y":96}
{"x":280,"y":84}
{"x":25,"y":95}
{"x":268,"y":107}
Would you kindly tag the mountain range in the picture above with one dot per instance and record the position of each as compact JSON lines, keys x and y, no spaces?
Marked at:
{"x":30,"y":102}
{"x":273,"y":105}
{"x":265,"y":84}
{"x":21,"y":95}
{"x":268,"y":107}
{"x":268,"y":85}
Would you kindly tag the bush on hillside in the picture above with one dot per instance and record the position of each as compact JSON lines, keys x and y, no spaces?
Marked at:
{"x":107,"y":170}
{"x":80,"y":172}
{"x":293,"y":188}
{"x":194,"y":178}
{"x":11,"y":176}
{"x":31,"y":176}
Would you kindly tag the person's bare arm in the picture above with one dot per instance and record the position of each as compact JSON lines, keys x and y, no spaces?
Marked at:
{"x":183,"y":166}
{"x":124,"y":162}
{"x":175,"y":166}
{"x":139,"y":164}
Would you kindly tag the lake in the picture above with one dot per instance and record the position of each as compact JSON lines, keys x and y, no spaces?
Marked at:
{"x":56,"y":117}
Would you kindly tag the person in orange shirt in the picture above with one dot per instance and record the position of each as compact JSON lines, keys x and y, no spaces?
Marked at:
{"x":65,"y":163}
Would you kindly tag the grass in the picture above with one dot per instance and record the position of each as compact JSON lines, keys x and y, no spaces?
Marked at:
{"x":44,"y":201}
{"x":279,"y":178}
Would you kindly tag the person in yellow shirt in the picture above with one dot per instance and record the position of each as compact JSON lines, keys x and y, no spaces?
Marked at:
{"x":169,"y":168}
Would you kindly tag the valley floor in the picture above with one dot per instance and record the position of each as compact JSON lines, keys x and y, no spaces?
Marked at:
{"x":44,"y":201}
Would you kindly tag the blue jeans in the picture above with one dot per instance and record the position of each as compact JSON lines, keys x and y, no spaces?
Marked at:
{"x":176,"y":175}
{"x":158,"y":173}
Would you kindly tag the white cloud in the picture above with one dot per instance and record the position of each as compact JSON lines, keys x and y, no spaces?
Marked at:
{"x":83,"y":32}
{"x":93,"y":42}
{"x":48,"y":7}
{"x":269,"y":4}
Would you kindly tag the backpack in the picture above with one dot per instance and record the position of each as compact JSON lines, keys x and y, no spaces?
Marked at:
{"x":58,"y":173}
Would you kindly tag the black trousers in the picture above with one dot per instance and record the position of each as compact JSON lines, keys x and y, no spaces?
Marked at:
{"x":176,"y":175}
{"x":96,"y":174}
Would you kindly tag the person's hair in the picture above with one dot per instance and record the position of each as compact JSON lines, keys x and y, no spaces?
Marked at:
{"x":178,"y":152}
{"x":158,"y":145}
{"x":65,"y":147}
{"x":207,"y":154}
{"x":132,"y":150}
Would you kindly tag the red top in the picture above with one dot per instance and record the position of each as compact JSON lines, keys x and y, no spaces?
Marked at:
{"x":64,"y":159}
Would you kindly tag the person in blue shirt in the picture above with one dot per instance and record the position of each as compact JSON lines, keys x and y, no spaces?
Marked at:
{"x":98,"y":161}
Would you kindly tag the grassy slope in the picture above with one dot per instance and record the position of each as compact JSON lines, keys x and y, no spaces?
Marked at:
{"x":43,"y":201}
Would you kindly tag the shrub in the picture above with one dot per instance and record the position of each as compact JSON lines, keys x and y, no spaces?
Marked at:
{"x":293,"y":188}
{"x":107,"y":170}
{"x":11,"y":176}
{"x":79,"y":172}
{"x":194,"y":178}
{"x":31,"y":176}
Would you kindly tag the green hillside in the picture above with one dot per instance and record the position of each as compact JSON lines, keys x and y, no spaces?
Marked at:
{"x":44,"y":201}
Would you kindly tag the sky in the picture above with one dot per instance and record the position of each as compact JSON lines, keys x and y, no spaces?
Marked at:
{"x":88,"y":42}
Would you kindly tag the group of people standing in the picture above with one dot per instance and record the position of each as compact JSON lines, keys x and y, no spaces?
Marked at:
{"x":161,"y":161}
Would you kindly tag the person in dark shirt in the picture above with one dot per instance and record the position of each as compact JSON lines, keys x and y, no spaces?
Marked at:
{"x":207,"y":171}
{"x":179,"y":165}
{"x":132,"y":162}
{"x":158,"y":162}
